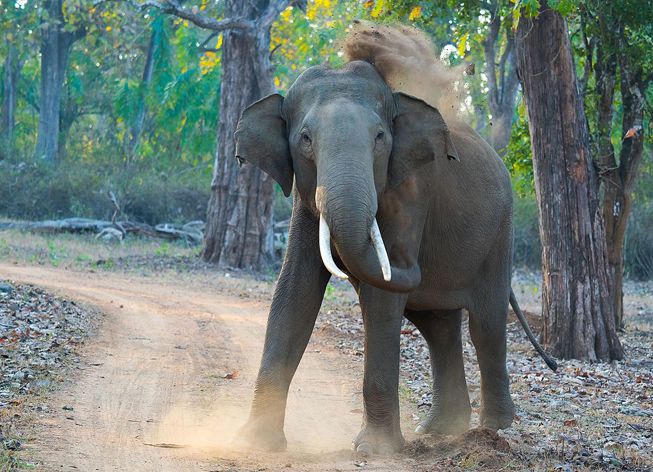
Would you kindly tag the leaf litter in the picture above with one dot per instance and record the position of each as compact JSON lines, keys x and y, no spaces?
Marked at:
{"x":587,"y":416}
{"x":584,"y":417}
{"x":39,"y":337}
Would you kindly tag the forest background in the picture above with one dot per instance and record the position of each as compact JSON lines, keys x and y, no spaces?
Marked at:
{"x":140,"y":101}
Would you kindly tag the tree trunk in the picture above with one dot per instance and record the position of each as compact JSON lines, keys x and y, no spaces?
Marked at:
{"x":148,"y":74}
{"x":239,"y":215}
{"x":619,"y":181}
{"x":577,"y":306}
{"x":10,"y":92}
{"x":55,"y":50}
{"x":617,"y":177}
{"x":606,"y":75}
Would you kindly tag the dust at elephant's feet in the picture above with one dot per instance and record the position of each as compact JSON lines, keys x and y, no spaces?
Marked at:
{"x":258,"y":437}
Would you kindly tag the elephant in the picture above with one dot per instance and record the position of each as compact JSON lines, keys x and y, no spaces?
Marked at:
{"x":416,"y":213}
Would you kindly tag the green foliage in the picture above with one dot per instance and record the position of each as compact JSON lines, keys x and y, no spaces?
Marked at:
{"x":518,"y":157}
{"x":9,"y":462}
{"x":638,"y":251}
{"x":282,"y":205}
{"x":301,"y":40}
{"x":527,"y":250}
{"x":164,"y":173}
{"x":34,"y":191}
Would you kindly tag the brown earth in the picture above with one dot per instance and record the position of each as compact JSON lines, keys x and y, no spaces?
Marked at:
{"x":166,"y":380}
{"x":150,"y":393}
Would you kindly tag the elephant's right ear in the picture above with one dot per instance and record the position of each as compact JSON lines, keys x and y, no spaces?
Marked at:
{"x":420,"y":136}
{"x":262,"y":140}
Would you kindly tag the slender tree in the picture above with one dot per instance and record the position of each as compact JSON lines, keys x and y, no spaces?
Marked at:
{"x":146,"y":80}
{"x":577,"y":306}
{"x":501,"y":72}
{"x":619,"y":42}
{"x":10,"y":96}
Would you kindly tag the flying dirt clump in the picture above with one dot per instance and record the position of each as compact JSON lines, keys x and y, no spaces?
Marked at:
{"x":407,"y":60}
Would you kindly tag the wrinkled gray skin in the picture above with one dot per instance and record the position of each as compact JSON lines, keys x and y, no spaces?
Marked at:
{"x":356,"y":151}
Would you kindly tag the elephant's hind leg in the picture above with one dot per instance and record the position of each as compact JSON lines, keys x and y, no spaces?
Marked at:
{"x":487,"y":326}
{"x":450,"y":410}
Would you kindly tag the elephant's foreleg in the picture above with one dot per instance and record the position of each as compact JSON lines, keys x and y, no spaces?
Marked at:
{"x":295,"y":306}
{"x":382,"y":313}
{"x":450,"y":411}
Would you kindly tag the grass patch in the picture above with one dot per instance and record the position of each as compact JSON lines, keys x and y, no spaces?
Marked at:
{"x":79,"y":251}
{"x":10,"y":462}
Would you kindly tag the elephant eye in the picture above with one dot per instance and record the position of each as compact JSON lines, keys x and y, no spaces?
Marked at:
{"x":306,"y":139}
{"x":380,"y":135}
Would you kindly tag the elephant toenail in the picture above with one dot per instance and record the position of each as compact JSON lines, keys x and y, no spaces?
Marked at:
{"x":364,"y":449}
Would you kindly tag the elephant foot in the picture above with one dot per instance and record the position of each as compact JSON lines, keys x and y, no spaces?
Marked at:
{"x":259,"y":435}
{"x":372,"y":440}
{"x":454,"y":423}
{"x":499,"y":417}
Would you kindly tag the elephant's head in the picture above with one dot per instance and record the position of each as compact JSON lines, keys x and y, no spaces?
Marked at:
{"x":348,"y":141}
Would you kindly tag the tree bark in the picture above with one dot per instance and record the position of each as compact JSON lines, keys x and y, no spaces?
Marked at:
{"x":606,"y":75}
{"x":239,"y":214}
{"x":577,"y":306}
{"x":10,"y":93}
{"x":502,"y":80}
{"x":55,"y":50}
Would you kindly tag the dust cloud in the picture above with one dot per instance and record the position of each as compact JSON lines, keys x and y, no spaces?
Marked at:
{"x":407,"y":60}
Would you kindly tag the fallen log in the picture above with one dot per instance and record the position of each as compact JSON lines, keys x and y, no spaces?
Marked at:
{"x":72,"y":225}
{"x":191,"y":232}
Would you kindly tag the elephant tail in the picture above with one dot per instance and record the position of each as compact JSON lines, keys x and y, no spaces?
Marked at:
{"x":553,"y":365}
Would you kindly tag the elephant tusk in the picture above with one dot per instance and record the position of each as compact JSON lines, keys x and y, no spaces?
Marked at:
{"x":381,"y":253}
{"x":325,"y":250}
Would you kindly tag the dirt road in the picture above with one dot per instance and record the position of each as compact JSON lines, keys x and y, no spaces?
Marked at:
{"x":149,"y":394}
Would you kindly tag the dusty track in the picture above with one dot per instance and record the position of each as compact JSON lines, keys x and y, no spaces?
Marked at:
{"x":149,"y":393}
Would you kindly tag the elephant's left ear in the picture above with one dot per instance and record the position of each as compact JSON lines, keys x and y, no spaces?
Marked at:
{"x":261,"y":140}
{"x":420,"y":136}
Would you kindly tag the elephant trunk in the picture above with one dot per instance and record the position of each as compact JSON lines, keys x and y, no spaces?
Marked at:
{"x":348,"y":215}
{"x":377,"y":242}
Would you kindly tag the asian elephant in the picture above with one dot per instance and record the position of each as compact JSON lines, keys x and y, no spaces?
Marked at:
{"x":416,"y":213}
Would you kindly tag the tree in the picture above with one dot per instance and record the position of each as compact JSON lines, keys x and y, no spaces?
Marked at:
{"x":15,"y":50}
{"x":148,"y":74}
{"x":578,"y":311}
{"x":57,"y":38}
{"x":239,"y":215}
{"x":10,"y":96}
{"x":502,"y":80}
{"x":618,"y":39}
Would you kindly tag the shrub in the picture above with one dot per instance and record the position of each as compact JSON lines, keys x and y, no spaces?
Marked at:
{"x":36,"y":190}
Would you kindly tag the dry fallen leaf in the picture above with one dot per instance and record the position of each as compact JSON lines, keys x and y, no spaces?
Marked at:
{"x":632,"y":131}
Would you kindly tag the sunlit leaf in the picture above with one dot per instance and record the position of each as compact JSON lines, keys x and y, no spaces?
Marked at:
{"x":415,"y":13}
